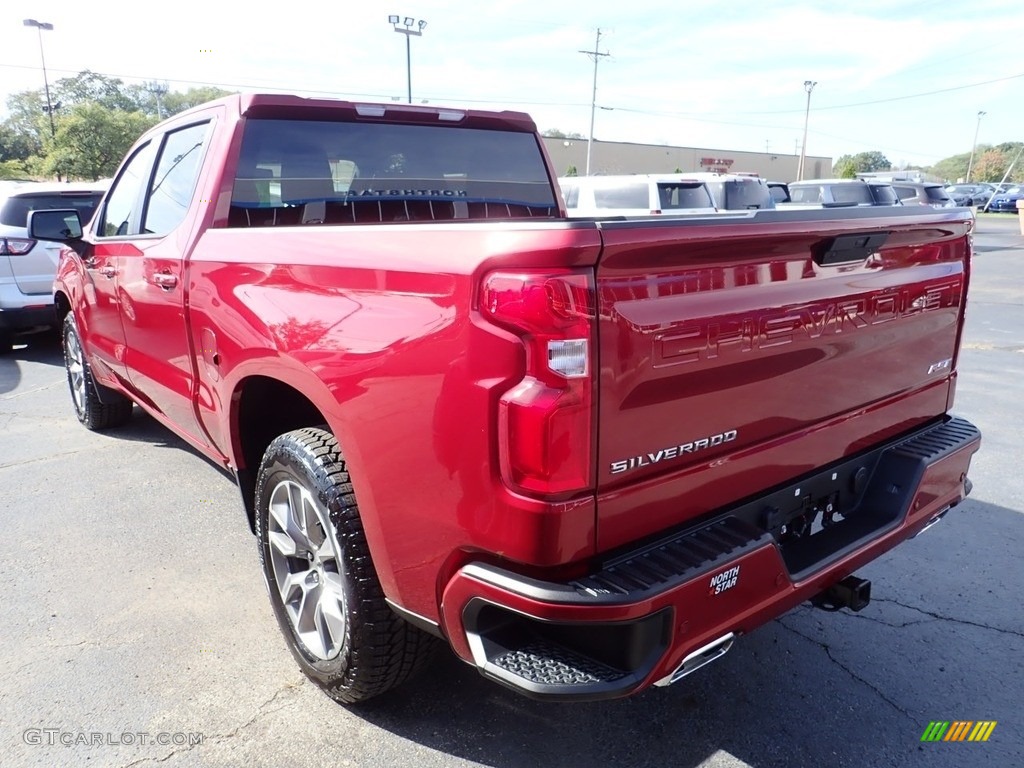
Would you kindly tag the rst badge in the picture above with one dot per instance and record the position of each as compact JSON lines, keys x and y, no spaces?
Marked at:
{"x":720,"y":582}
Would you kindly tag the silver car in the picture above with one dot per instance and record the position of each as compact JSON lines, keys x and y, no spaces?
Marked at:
{"x":923,"y":193}
{"x":27,"y":267}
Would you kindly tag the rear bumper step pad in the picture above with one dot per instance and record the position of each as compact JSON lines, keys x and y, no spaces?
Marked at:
{"x":634,"y":619}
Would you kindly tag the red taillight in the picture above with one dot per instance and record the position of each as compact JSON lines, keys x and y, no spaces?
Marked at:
{"x":545,"y":429}
{"x":15,"y":246}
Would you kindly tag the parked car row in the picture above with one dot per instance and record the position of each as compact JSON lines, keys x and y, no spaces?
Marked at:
{"x":971,"y":194}
{"x":1006,"y":202}
{"x":840,"y":193}
{"x":672,"y":194}
{"x":27,"y":266}
{"x":634,"y":195}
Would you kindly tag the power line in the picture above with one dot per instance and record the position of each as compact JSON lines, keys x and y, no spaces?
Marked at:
{"x":690,"y":115}
{"x":277,"y":85}
{"x":891,"y":99}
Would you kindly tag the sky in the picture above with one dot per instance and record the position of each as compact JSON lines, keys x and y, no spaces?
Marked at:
{"x":904,"y":78}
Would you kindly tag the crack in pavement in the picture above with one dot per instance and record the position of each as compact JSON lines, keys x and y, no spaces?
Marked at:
{"x":885,"y":623}
{"x":103,"y":643}
{"x":828,"y":652}
{"x":48,"y":457}
{"x":940,"y":617}
{"x":43,"y":388}
{"x":219,"y":738}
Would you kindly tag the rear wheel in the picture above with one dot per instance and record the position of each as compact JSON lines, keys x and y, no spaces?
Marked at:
{"x":6,"y":343}
{"x":114,"y":410}
{"x":323,"y":586}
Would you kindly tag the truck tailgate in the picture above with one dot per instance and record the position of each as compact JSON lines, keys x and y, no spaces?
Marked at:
{"x":734,"y":358}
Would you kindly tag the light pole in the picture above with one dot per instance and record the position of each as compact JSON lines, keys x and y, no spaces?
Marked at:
{"x":40,"y":26}
{"x":974,"y":146}
{"x":407,"y":30}
{"x":808,"y":86}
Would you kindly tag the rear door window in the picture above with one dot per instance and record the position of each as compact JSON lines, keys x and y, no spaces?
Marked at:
{"x":171,"y":190}
{"x":884,"y":195}
{"x":746,"y":194}
{"x":806,"y":194}
{"x":851,"y":193}
{"x":622,"y":195}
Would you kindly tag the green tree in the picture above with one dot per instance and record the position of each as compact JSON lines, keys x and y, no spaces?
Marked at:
{"x":865,"y":162}
{"x":15,"y":146}
{"x":555,"y":133}
{"x":91,"y":141}
{"x":955,"y":167}
{"x":88,"y":86}
{"x":26,"y":122}
{"x":13,"y":169}
{"x":571,"y":171}
{"x":990,"y":165}
{"x":175,"y":102}
{"x":845,"y":168}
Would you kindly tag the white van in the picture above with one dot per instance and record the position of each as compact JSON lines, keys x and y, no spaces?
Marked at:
{"x":635,"y":195}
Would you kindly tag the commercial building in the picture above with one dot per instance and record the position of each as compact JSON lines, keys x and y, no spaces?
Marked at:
{"x":614,"y":157}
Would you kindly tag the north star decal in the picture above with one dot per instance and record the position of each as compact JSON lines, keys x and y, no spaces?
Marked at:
{"x":724,"y":580}
{"x":672,"y":452}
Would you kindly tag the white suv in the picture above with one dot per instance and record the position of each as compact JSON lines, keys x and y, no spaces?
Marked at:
{"x":27,"y":267}
{"x":635,"y":195}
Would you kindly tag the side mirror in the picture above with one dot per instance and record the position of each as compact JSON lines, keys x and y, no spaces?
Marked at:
{"x":61,"y":225}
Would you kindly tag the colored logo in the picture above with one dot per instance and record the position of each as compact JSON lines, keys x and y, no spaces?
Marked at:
{"x":958,"y":730}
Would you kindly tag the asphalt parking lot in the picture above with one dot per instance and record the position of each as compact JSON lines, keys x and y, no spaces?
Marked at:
{"x":134,"y":612}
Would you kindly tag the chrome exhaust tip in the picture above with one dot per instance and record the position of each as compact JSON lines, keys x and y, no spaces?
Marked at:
{"x":704,"y":655}
{"x":931,"y":523}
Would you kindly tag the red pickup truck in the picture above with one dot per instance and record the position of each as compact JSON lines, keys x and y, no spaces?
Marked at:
{"x":586,"y":454}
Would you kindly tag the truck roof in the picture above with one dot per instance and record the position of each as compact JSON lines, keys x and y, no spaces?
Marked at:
{"x":278,"y":104}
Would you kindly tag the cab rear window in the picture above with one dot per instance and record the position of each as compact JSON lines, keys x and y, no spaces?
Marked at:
{"x":15,"y":210}
{"x":677,"y":195}
{"x":317,"y":172}
{"x":746,"y":194}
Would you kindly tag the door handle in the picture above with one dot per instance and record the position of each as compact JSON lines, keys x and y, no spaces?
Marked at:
{"x":165,"y":280}
{"x":107,"y":271}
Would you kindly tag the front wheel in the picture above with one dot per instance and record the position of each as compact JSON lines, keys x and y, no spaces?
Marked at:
{"x":322,"y":583}
{"x":113,"y":410}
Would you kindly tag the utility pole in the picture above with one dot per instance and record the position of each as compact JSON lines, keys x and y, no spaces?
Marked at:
{"x":808,"y":86}
{"x":596,"y":56}
{"x":159,"y":90}
{"x":974,"y":146}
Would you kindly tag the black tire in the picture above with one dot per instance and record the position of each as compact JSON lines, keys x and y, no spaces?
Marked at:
{"x":359,"y":647}
{"x":114,"y":410}
{"x":6,"y":343}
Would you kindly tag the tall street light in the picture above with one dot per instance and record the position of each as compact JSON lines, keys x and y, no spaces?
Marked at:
{"x":808,"y":86}
{"x":40,"y":26}
{"x":406,"y":29}
{"x":974,"y":146}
